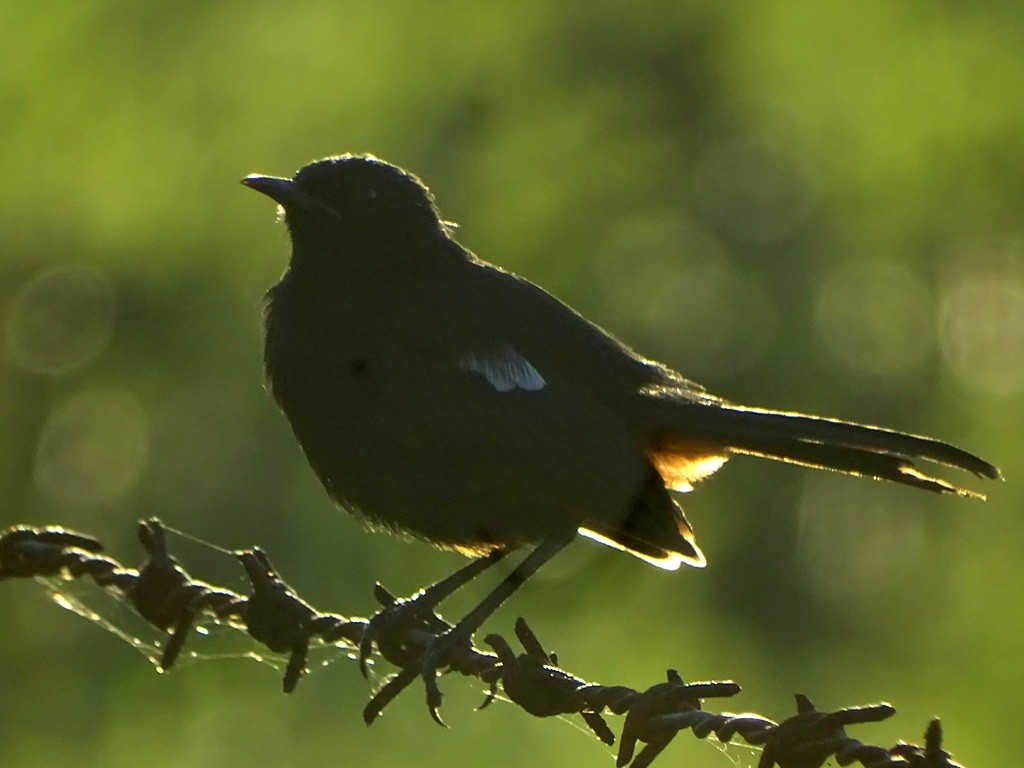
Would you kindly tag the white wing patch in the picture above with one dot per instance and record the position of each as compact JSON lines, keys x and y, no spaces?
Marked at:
{"x":505,"y":370}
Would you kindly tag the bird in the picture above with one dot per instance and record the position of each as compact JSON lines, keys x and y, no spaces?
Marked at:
{"x":442,"y":398}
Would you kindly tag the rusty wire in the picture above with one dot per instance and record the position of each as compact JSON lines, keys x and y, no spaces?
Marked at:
{"x":273,"y":614}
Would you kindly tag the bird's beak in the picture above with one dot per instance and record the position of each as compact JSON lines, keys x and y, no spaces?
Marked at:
{"x":281,"y":191}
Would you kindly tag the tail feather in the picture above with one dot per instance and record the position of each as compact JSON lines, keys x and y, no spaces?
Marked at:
{"x":831,"y":444}
{"x":853,"y":461}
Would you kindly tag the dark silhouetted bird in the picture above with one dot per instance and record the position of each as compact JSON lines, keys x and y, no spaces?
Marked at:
{"x":437,"y":395}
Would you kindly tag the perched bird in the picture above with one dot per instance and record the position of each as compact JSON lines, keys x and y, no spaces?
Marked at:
{"x":438,"y":396}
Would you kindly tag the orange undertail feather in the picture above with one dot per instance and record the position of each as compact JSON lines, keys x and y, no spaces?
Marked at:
{"x":681,"y":463}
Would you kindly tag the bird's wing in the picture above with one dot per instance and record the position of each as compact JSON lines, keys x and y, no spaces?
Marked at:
{"x":477,"y":444}
{"x":551,"y":333}
{"x":572,"y":349}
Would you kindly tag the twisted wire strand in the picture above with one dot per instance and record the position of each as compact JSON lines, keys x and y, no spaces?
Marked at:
{"x":273,"y":614}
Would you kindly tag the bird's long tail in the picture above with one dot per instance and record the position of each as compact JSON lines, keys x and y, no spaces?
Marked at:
{"x":719,"y":429}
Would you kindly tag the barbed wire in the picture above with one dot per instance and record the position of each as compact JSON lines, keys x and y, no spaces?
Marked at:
{"x":273,"y":614}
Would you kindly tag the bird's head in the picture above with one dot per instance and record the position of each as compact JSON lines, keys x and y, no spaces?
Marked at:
{"x":354,"y":204}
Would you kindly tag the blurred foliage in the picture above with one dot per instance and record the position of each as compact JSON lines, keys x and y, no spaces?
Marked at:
{"x":801,"y":205}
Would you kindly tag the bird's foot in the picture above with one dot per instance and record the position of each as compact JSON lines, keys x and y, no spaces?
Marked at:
{"x":401,"y":628}
{"x":436,"y":656}
{"x":411,"y":636}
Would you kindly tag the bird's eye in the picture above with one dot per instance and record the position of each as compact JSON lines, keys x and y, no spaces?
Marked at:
{"x":359,"y":201}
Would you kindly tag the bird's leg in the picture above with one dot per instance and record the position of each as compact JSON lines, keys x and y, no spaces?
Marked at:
{"x":419,"y":607}
{"x":436,"y":654}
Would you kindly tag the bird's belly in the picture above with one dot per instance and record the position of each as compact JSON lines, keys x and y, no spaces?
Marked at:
{"x":402,"y":475}
{"x":395,"y":461}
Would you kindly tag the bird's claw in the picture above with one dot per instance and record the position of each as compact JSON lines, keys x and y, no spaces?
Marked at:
{"x":424,"y":662}
{"x":435,"y":657}
{"x":375,"y":625}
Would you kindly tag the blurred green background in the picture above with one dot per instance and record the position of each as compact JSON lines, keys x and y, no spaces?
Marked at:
{"x":801,"y":205}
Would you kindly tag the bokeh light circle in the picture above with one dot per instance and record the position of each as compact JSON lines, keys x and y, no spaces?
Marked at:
{"x":876,"y":317}
{"x":857,"y":538}
{"x":93,"y":447}
{"x":981,"y":332}
{"x":680,"y":298}
{"x":60,"y":319}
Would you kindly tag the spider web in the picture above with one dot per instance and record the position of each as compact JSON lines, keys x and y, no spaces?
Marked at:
{"x":209,"y":639}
